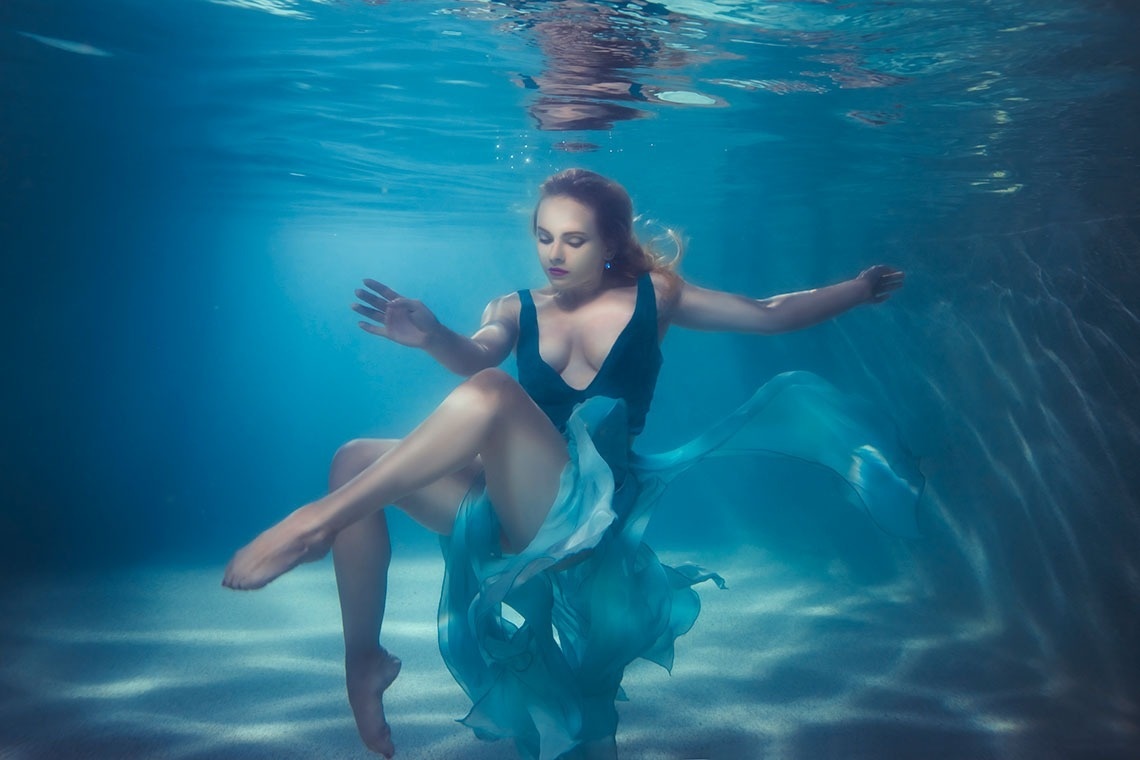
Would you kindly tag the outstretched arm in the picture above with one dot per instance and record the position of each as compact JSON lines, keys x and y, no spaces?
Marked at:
{"x":410,"y":323}
{"x":701,"y":309}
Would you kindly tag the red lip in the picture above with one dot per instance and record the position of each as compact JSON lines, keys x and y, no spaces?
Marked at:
{"x":556,"y":272}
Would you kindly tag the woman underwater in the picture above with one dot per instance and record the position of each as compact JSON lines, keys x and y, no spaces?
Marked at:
{"x":485,"y":468}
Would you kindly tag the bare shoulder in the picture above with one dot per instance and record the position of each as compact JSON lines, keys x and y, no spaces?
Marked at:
{"x":504,"y":304}
{"x":504,"y":309}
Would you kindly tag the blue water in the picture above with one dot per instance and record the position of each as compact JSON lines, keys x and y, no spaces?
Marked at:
{"x":190,"y":190}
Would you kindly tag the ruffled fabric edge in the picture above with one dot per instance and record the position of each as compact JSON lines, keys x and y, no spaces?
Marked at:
{"x":801,"y":416}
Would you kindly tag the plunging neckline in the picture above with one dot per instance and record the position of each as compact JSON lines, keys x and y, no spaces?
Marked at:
{"x":613,"y":348}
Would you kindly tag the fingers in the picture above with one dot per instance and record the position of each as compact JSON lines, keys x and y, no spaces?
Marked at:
{"x":378,"y":298}
{"x":376,"y":315}
{"x":390,"y":315}
{"x":386,"y":292}
{"x":377,"y":302}
{"x":379,"y":307}
{"x":890,"y":281}
{"x":368,"y":327}
{"x":882,"y":279}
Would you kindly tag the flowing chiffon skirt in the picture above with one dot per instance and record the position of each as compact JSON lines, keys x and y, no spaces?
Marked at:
{"x":591,"y":596}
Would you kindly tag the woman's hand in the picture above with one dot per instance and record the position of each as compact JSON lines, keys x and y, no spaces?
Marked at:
{"x":403,"y":320}
{"x":880,"y":281}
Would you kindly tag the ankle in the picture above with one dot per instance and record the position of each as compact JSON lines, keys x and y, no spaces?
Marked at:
{"x":365,"y":654}
{"x":314,"y":532}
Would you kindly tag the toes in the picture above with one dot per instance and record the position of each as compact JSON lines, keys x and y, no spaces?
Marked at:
{"x":382,"y":744}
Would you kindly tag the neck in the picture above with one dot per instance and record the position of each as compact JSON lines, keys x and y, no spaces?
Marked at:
{"x":572,"y":298}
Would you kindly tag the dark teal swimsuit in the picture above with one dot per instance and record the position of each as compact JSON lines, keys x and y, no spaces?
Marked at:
{"x":629,"y":372}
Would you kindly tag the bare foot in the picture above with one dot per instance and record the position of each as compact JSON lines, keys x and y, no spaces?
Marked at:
{"x":275,"y":552}
{"x":368,"y":676}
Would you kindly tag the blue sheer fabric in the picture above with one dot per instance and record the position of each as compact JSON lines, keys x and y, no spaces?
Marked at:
{"x":592,"y":595}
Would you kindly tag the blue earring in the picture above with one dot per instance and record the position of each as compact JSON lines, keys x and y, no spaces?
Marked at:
{"x":609,"y":264}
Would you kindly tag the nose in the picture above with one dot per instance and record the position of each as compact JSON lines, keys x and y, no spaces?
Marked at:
{"x":556,"y":256}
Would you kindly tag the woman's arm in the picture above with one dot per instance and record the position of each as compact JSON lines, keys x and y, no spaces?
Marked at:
{"x":410,"y":323}
{"x":701,"y":309}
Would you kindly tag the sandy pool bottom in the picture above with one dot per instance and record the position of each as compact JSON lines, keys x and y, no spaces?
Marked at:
{"x":161,"y":662}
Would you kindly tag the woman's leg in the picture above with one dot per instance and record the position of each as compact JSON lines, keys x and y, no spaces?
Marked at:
{"x":361,"y":553}
{"x":489,"y":416}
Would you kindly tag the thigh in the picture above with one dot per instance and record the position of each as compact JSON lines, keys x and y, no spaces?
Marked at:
{"x":434,"y":506}
{"x":523,"y":460}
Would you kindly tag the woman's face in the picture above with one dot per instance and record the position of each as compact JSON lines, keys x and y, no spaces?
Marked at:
{"x":570,"y":248}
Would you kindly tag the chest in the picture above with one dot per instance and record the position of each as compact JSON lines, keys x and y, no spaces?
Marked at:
{"x":576,"y":343}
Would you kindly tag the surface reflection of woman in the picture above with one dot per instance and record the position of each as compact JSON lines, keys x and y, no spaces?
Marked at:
{"x":592,"y":52}
{"x":488,"y":464}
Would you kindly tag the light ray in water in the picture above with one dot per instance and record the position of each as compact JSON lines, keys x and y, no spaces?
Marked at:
{"x":79,"y":48}
{"x":287,"y":8}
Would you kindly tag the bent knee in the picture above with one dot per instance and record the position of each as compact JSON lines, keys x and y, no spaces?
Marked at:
{"x":493,"y":383}
{"x":491,"y":377}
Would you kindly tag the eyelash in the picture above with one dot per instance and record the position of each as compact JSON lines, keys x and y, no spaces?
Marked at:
{"x":574,"y":243}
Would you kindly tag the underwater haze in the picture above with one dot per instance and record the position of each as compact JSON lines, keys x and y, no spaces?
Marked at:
{"x":190,"y":191}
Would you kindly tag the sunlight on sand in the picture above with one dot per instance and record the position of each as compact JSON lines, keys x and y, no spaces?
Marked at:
{"x":162,"y":662}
